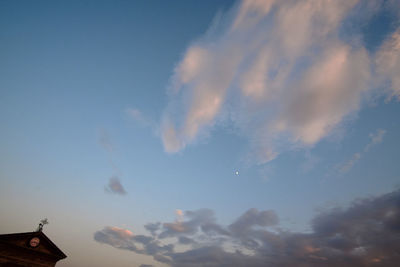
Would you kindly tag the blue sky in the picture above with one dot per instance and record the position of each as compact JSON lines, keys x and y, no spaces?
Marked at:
{"x":117,"y":114}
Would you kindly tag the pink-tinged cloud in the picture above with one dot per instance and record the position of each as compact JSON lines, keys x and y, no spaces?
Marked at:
{"x":123,"y":233}
{"x":170,"y":139}
{"x":329,"y":90}
{"x":279,"y":71}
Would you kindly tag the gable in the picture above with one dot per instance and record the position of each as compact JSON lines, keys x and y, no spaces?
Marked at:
{"x":22,"y":241}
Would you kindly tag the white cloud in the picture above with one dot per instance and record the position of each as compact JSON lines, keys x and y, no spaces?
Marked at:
{"x":279,"y":71}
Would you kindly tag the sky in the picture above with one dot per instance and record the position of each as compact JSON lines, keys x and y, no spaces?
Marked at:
{"x":203,"y":133}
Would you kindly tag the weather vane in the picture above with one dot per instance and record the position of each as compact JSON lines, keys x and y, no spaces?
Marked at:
{"x":41,"y":224}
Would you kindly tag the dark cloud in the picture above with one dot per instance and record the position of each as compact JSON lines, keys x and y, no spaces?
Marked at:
{"x":116,"y":237}
{"x":142,"y":239}
{"x":210,"y":256}
{"x":367,"y":233}
{"x":213,"y":228}
{"x":253,"y":218}
{"x":115,"y":186}
{"x":153,"y":227}
{"x":185,"y":240}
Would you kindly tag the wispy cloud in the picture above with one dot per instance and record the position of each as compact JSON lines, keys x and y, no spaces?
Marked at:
{"x":375,"y":139}
{"x":278,"y":70}
{"x":351,"y":162}
{"x":115,"y":186}
{"x":388,"y":63}
{"x":310,"y":162}
{"x":105,"y":141}
{"x":139,"y":117}
{"x":365,"y":234}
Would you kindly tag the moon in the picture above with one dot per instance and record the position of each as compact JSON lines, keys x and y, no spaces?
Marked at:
{"x":236,"y":172}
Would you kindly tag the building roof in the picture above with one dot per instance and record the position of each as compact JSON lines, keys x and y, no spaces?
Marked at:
{"x":21,"y":240}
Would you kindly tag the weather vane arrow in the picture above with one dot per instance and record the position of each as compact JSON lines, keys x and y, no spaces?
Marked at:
{"x":41,"y":224}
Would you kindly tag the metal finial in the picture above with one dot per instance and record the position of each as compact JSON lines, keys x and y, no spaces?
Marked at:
{"x":41,"y":224}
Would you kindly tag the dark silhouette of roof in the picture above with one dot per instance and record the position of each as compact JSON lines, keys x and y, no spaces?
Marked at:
{"x":18,"y":248}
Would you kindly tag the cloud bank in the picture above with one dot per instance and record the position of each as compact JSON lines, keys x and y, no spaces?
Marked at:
{"x":280,"y":72}
{"x":365,"y":234}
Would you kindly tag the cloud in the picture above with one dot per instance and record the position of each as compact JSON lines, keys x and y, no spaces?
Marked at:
{"x":105,"y":141}
{"x":375,"y":139}
{"x":388,"y":63}
{"x":253,"y":218}
{"x":118,"y":237}
{"x":196,"y":219}
{"x":179,"y":215}
{"x":350,"y":163}
{"x":185,"y":240}
{"x":139,"y":117}
{"x":153,"y":227}
{"x":280,"y":71}
{"x":115,"y":186}
{"x":364,"y":234}
{"x":126,"y":240}
{"x":310,"y":162}
{"x":135,"y":114}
